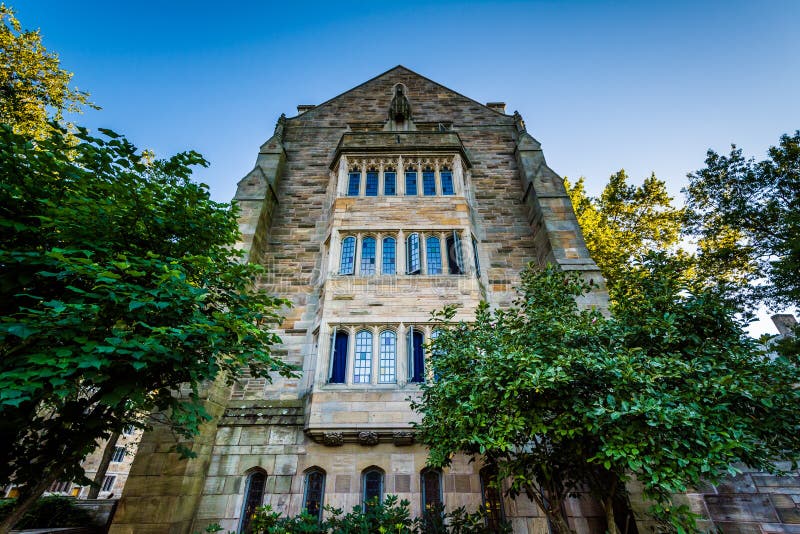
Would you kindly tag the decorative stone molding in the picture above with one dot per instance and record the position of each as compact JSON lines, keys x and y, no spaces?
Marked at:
{"x":333,"y":439}
{"x":403,"y":438}
{"x":368,"y":438}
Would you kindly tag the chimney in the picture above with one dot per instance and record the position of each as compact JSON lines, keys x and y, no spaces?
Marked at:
{"x":786,"y":323}
{"x":302,"y":108}
{"x":500,"y":107}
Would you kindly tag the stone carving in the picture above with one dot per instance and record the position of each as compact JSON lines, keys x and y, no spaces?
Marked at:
{"x":399,"y":109}
{"x":403,"y":437}
{"x":368,"y":438}
{"x":280,"y":126}
{"x":332,"y":439}
{"x":519,"y":122}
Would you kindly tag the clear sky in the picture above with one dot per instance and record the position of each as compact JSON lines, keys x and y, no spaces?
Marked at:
{"x":646,"y":86}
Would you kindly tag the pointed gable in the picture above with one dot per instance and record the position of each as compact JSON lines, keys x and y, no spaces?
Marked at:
{"x":370,"y":101}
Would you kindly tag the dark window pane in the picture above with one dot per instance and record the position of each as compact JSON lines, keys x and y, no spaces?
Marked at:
{"x":373,"y":487}
{"x":491,"y":498}
{"x":390,"y":183}
{"x":416,"y":356}
{"x":428,"y":182}
{"x":447,"y":183}
{"x":389,"y":255}
{"x":431,"y":489}
{"x":454,"y":260}
{"x":411,"y":183}
{"x":339,"y":359}
{"x":348,"y":255}
{"x":253,"y":499}
{"x":119,"y":454}
{"x":475,"y":253}
{"x":372,"y":184}
{"x":315,"y":490}
{"x":354,"y":184}
{"x":434,"y":255}
{"x":368,"y":255}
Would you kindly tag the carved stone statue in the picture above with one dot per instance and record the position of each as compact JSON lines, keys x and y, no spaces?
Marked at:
{"x":279,"y":127}
{"x":399,"y":109}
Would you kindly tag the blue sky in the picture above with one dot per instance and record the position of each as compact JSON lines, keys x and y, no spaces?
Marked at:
{"x":645,"y":86}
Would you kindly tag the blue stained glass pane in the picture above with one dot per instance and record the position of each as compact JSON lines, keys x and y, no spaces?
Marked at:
{"x":354,"y":184}
{"x":389,"y":183}
{"x":389,"y":255}
{"x":428,"y":182}
{"x":348,"y":255}
{"x":447,"y":183}
{"x":372,"y":184}
{"x":368,"y":255}
{"x":434,"y":255}
{"x":411,"y":183}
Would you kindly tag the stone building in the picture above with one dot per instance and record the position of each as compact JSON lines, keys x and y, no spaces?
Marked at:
{"x":369,"y":211}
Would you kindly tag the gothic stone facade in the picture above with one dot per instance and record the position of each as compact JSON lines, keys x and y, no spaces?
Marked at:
{"x":369,"y":211}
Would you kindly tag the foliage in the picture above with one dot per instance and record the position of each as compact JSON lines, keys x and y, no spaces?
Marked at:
{"x":119,"y":284}
{"x":669,"y":390}
{"x":388,"y":517}
{"x":52,"y":511}
{"x":746,"y":214}
{"x":625,"y":221}
{"x":33,"y":86}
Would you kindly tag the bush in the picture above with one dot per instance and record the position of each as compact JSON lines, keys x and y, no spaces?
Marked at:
{"x":53,"y":511}
{"x":388,"y":517}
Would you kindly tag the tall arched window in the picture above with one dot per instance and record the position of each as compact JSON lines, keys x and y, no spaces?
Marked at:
{"x":433,"y":248}
{"x":389,"y":182}
{"x":371,"y":189}
{"x":387,"y":368}
{"x":253,"y":498}
{"x":491,"y":497}
{"x":411,"y":182}
{"x":314,"y":492}
{"x":372,"y":486}
{"x":339,"y":342}
{"x":446,"y":175}
{"x":362,"y":368}
{"x":367,"y":256}
{"x":431,"y":484}
{"x":416,"y":355}
{"x":428,"y":182}
{"x":413,"y":264}
{"x":389,"y":255}
{"x":348,"y":260}
{"x":353,"y":183}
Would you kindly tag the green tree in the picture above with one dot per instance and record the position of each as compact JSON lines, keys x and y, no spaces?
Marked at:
{"x":119,"y":285}
{"x":625,"y":221}
{"x":669,"y":390}
{"x":33,"y":87}
{"x":746,"y":215}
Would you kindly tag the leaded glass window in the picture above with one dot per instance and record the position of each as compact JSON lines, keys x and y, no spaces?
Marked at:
{"x":433,"y":255}
{"x":428,"y":182}
{"x":372,"y":183}
{"x":314,"y":493}
{"x":362,"y":368}
{"x":389,"y":255}
{"x":367,"y":256}
{"x":411,"y":182}
{"x":389,"y":182}
{"x":413,"y":265}
{"x":491,"y":497}
{"x":455,"y":262}
{"x":475,"y":253}
{"x":339,"y":345}
{"x":446,"y":176}
{"x":431,"y":484}
{"x":348,"y":255}
{"x":387,"y":370}
{"x":353,"y":184}
{"x":373,"y":486}
{"x":118,"y":455}
{"x":416,"y":355}
{"x":253,"y":498}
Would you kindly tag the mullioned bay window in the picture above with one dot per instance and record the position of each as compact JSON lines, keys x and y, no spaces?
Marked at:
{"x":377,"y":354}
{"x":411,"y":253}
{"x":419,"y":177}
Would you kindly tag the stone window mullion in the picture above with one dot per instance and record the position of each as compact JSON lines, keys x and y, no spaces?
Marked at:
{"x":423,"y":254}
{"x":351,"y":355}
{"x":357,"y":266}
{"x":362,"y":186}
{"x":402,"y":356}
{"x":444,"y":252}
{"x":376,"y":355}
{"x":400,"y":180}
{"x":400,"y":253}
{"x":437,"y":179}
